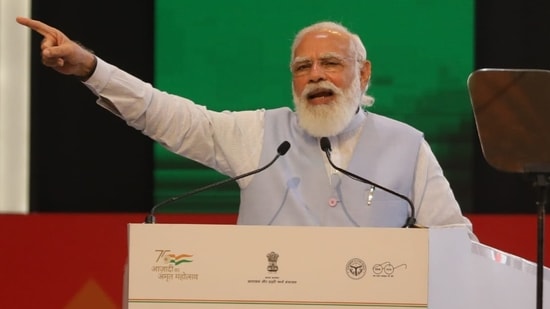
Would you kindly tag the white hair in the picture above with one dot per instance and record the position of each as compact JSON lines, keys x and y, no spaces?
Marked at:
{"x":357,"y":48}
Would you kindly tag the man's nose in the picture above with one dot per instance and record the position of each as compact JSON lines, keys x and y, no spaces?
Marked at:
{"x":317,"y":72}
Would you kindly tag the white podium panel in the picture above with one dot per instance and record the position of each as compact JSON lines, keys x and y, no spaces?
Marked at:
{"x":227,"y":266}
{"x":236,"y":266}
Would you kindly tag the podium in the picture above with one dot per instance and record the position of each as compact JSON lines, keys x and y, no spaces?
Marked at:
{"x":238,"y":266}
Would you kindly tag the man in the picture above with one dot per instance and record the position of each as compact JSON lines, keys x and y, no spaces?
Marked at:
{"x":330,"y":75}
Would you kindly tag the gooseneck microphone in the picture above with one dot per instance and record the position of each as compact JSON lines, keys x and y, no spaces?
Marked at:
{"x":281,"y":151}
{"x":325,"y":146}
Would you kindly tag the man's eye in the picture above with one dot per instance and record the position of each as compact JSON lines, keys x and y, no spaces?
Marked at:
{"x":302,"y":67}
{"x":331,"y":63}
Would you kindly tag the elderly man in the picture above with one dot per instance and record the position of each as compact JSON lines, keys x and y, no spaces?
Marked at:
{"x":309,"y":185}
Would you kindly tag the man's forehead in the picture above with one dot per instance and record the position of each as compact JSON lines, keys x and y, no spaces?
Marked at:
{"x":323,"y":44}
{"x":326,"y":33}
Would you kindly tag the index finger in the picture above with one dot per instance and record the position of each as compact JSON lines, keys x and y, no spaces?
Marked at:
{"x":36,"y":25}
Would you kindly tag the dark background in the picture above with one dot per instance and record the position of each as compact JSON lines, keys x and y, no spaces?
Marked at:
{"x":83,"y":159}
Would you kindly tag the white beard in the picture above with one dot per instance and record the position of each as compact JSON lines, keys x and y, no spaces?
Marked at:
{"x":328,"y":119}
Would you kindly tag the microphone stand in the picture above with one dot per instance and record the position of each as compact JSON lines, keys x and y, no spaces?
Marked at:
{"x":151,"y":216}
{"x":281,"y":151}
{"x":411,"y":220}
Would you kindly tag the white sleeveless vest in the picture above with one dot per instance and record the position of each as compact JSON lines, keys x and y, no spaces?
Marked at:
{"x":296,"y":190}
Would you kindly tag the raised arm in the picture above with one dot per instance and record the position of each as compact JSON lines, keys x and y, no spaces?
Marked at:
{"x":61,"y":53}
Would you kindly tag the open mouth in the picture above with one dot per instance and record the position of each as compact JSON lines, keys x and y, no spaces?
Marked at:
{"x":319,"y":93}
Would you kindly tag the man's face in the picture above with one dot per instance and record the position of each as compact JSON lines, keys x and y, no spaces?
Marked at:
{"x":326,"y":81}
{"x":323,"y":55}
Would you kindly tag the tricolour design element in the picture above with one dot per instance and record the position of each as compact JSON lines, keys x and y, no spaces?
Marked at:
{"x":178,"y":259}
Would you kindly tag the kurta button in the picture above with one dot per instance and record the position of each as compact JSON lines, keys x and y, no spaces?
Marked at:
{"x":332,"y":202}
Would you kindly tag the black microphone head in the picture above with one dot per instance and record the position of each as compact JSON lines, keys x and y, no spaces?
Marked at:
{"x":325,"y":144}
{"x":283,"y":148}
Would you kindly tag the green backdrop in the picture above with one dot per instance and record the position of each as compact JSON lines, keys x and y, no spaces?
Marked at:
{"x":234,"y":55}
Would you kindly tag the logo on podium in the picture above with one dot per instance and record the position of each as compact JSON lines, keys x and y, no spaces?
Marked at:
{"x":272,"y":258}
{"x":356,"y":268}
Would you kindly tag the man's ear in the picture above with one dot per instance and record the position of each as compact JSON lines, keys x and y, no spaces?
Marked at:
{"x":365,"y":72}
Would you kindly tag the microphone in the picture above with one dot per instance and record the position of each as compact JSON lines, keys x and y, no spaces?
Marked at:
{"x":325,"y":146}
{"x":281,"y":151}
